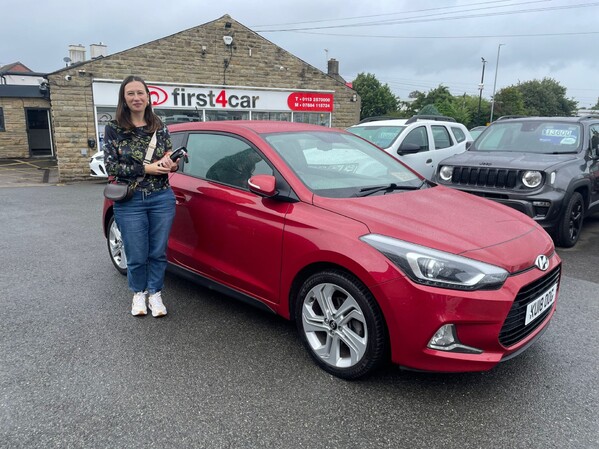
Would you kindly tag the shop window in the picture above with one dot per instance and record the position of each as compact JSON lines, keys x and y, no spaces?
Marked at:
{"x":227,"y":115}
{"x":2,"y":128}
{"x":315,"y":118}
{"x":278,"y":116}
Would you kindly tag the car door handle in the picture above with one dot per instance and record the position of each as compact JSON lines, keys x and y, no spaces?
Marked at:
{"x":179,"y":198}
{"x":429,"y":161}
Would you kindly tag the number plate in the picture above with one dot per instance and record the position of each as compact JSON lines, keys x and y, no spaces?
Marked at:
{"x":539,"y":305}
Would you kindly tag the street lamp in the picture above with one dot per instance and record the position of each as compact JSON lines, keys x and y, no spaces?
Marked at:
{"x":480,"y":87}
{"x":495,"y":83}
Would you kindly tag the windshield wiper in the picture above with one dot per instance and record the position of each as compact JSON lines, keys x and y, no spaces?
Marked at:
{"x":387,"y":188}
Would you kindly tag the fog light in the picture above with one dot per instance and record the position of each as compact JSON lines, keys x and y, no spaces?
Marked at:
{"x":446,"y":339}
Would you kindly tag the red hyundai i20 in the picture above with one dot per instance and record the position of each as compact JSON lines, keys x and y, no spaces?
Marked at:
{"x":368,"y":258}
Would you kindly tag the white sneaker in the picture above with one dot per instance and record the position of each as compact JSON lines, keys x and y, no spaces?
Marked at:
{"x":139,"y":304}
{"x":156,"y":305}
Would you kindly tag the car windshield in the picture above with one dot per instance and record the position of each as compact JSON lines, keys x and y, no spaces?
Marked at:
{"x":538,"y":136}
{"x":340,"y":165}
{"x":382,"y":136}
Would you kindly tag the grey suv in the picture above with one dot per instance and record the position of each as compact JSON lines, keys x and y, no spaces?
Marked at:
{"x":545,"y":167}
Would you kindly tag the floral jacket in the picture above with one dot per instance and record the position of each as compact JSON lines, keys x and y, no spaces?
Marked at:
{"x":124,"y":152}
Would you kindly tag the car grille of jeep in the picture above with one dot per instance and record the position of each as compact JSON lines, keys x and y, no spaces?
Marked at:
{"x":514,"y":329}
{"x":485,"y":177}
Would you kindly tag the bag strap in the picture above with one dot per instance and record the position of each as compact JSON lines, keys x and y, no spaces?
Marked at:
{"x":150,"y":150}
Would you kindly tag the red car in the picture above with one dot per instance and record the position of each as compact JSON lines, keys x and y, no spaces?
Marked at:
{"x":368,"y":258}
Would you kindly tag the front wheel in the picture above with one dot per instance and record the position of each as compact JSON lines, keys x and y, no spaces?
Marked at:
{"x":115,"y":247}
{"x":570,"y":225}
{"x":341,"y":324}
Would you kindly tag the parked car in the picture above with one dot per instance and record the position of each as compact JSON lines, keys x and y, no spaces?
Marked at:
{"x":545,"y":167}
{"x":477,"y":131}
{"x":96,"y":165}
{"x":421,"y":141}
{"x":369,"y":259}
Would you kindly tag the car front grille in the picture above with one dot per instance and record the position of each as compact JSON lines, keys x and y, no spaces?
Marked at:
{"x":485,"y":177}
{"x":513,"y":329}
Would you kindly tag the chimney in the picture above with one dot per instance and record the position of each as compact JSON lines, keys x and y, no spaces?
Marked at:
{"x":333,"y":70}
{"x":77,"y":53}
{"x":97,"y":50}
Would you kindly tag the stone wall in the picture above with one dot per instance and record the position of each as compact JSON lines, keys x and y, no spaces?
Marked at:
{"x":194,"y":56}
{"x":13,"y":141}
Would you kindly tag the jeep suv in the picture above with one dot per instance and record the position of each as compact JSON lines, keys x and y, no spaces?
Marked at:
{"x":420,"y":142}
{"x":545,"y":167}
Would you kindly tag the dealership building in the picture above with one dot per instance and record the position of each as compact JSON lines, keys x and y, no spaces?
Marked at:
{"x":220,"y":70}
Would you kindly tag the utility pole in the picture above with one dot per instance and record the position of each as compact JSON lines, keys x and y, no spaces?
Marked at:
{"x":480,"y":87}
{"x":495,"y":83}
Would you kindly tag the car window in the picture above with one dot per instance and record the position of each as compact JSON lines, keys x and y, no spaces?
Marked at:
{"x":594,"y":139}
{"x":531,"y":136}
{"x":177,"y":139}
{"x":458,"y":133}
{"x":338,"y":165}
{"x":224,"y":159}
{"x":418,"y":136}
{"x":382,"y":136}
{"x":441,"y":137}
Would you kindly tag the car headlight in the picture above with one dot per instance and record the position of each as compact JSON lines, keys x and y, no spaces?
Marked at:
{"x":436,"y":268}
{"x":446,"y":173}
{"x":532,"y":178}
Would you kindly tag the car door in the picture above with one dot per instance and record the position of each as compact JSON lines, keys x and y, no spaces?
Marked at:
{"x":421,"y":160}
{"x":444,"y":144}
{"x":593,"y":163}
{"x":221,"y":229}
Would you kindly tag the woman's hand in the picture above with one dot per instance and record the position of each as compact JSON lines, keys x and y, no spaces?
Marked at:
{"x":162,"y":167}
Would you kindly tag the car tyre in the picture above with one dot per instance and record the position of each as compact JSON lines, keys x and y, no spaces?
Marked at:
{"x":570,"y":225}
{"x":116,"y":248}
{"x":341,"y":325}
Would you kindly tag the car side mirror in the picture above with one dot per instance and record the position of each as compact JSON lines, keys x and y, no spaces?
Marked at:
{"x":408,"y":148}
{"x":263,"y":185}
{"x":468,"y":145}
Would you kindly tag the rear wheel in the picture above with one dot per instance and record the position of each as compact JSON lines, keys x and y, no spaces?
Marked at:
{"x":570,"y":225}
{"x":115,"y":247}
{"x":341,"y":324}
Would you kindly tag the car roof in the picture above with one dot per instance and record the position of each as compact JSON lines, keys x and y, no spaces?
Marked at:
{"x":256,"y":126}
{"x":546,"y":119}
{"x":390,"y":122}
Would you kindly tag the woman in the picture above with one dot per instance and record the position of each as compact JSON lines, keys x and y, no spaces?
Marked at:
{"x":145,"y":220}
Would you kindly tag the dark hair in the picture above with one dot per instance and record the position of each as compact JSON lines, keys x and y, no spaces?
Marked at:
{"x":123,"y":114}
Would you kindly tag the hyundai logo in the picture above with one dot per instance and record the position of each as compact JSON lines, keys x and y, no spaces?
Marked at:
{"x":542,"y":262}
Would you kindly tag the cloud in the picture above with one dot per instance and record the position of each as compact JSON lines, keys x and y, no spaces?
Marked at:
{"x":408,"y":45}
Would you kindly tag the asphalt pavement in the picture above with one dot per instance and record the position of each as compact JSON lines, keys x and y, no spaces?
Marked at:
{"x":78,"y":371}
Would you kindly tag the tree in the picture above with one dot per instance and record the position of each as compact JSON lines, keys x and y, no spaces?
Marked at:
{"x":546,"y":98}
{"x":509,"y":101}
{"x":377,"y":99}
{"x":429,"y":109}
{"x":435,"y":97}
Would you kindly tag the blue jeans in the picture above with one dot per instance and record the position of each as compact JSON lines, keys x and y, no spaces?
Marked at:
{"x":145,"y":224}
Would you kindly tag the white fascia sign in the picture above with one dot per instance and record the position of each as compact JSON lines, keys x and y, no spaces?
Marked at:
{"x":221,"y":97}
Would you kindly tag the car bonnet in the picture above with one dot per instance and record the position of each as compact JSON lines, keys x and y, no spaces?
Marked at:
{"x":450,"y":221}
{"x":507,"y":159}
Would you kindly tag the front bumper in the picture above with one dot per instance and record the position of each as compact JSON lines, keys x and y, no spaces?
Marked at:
{"x":544,"y":206}
{"x":414,"y":313}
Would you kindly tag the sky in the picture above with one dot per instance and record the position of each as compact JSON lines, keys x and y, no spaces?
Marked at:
{"x":408,"y":45}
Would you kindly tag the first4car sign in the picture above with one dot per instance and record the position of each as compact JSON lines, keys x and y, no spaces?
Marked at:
{"x":186,"y":97}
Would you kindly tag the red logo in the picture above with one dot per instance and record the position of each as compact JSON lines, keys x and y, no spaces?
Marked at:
{"x":310,"y":102}
{"x":157,"y":95}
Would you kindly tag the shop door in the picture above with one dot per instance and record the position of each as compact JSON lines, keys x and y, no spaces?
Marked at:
{"x":38,"y":132}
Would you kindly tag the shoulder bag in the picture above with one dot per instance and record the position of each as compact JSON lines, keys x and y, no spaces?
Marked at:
{"x":120,"y":191}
